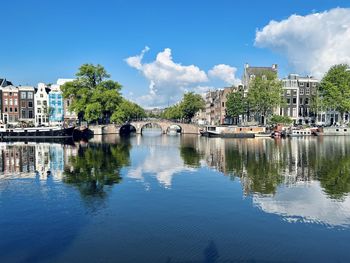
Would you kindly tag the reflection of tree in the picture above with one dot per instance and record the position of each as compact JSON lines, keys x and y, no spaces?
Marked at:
{"x":97,"y":165}
{"x":259,"y":169}
{"x":334,"y":175}
{"x":189,"y":151}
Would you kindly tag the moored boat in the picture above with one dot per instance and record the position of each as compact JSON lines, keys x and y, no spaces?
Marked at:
{"x":302,"y":132}
{"x":35,"y":132}
{"x":333,"y":131}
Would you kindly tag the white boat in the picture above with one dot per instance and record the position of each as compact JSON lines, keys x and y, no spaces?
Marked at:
{"x":302,"y":132}
{"x":334,"y":131}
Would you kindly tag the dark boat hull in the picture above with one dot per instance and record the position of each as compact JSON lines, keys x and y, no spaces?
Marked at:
{"x":37,"y":134}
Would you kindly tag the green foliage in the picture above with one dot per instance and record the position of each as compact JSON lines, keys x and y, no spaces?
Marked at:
{"x":265,"y":94}
{"x":190,"y":104}
{"x":172,"y":113}
{"x":186,"y":109}
{"x":126,"y":111}
{"x":96,"y":97}
{"x":235,"y":104}
{"x":275,"y":119}
{"x":335,"y":88}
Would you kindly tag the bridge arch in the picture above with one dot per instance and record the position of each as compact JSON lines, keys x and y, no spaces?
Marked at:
{"x":152,"y":125}
{"x":186,"y":128}
{"x":126,"y":129}
{"x":174,"y":127}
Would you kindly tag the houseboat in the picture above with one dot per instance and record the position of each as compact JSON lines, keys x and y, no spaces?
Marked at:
{"x":7,"y":133}
{"x":333,"y":131}
{"x":211,"y":131}
{"x":302,"y":132}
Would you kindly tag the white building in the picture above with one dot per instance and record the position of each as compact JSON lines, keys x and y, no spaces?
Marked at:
{"x":41,"y":101}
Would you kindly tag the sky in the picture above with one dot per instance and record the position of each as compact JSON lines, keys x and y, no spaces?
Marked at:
{"x":160,"y":49}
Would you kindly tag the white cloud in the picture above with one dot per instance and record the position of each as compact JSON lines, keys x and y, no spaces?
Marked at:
{"x":168,"y":80}
{"x":311,"y":43}
{"x":225,"y":73}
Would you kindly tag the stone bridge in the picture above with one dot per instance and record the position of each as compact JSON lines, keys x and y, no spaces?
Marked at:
{"x":186,"y":128}
{"x":139,"y":125}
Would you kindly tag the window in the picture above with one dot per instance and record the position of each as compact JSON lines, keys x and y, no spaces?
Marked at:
{"x":23,"y":104}
{"x":223,"y":104}
{"x":294,"y":112}
{"x":301,"y":84}
{"x":10,"y":93}
{"x":15,"y":109}
{"x":307,"y":91}
{"x":294,"y":100}
{"x":30,"y":104}
{"x":39,"y":110}
{"x":38,"y":102}
{"x":6,"y":102}
{"x":306,"y":101}
{"x":300,"y":101}
{"x":288,"y":92}
{"x":30,"y":114}
{"x":23,"y":95}
{"x":5,"y":109}
{"x":23,"y":115}
{"x":10,"y":102}
{"x":30,"y":95}
{"x":288,"y":101}
{"x":307,"y":84}
{"x":10,"y":109}
{"x":294,"y":92}
{"x":301,"y":91}
{"x":16,"y":102}
{"x":41,"y":95}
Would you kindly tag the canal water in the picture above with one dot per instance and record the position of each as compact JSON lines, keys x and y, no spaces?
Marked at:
{"x":176,"y":199}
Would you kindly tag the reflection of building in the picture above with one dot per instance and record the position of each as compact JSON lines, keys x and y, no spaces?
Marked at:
{"x":42,"y":159}
{"x":18,"y":159}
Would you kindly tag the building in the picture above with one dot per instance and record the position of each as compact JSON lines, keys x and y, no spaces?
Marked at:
{"x":26,"y":104}
{"x":70,"y":118}
{"x":41,"y":105}
{"x":299,"y":93}
{"x":10,"y":107}
{"x":3,"y":83}
{"x":55,"y":105}
{"x":249,"y":74}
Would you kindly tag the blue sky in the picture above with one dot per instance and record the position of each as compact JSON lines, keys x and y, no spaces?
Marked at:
{"x":46,"y":40}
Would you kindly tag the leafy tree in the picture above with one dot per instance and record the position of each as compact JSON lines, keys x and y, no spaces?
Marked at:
{"x":92,"y":87}
{"x":126,"y":111}
{"x":190,"y":104}
{"x":172,"y":113}
{"x":275,"y":119}
{"x":265,"y":94}
{"x":235,"y":104}
{"x":335,"y":89}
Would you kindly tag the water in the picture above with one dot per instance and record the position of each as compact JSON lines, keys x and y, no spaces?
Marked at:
{"x":176,"y":199}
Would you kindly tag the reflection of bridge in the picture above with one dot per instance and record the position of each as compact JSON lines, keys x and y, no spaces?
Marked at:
{"x":185,"y":128}
{"x":165,"y":126}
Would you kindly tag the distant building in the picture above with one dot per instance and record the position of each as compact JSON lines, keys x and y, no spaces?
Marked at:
{"x":26,"y":104}
{"x":298,"y":93}
{"x":41,"y":102}
{"x":55,"y":105}
{"x":10,"y":107}
{"x":69,"y":117}
{"x":249,"y":74}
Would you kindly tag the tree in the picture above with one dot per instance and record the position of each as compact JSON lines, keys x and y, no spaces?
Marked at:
{"x":126,"y":111}
{"x":335,"y":89}
{"x":265,"y":94}
{"x":190,"y":104}
{"x":172,"y":113}
{"x":93,"y":87}
{"x":235,"y":104}
{"x":276,"y":119}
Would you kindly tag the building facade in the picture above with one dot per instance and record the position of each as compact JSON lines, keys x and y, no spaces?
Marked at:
{"x":10,"y":105}
{"x":26,"y":104}
{"x":55,"y":105}
{"x":41,"y":105}
{"x":299,"y":94}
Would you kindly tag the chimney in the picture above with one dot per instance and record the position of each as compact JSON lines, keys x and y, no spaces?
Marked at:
{"x":274,"y":66}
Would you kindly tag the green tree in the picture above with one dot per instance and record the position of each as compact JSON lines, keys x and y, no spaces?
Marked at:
{"x":235,"y":104}
{"x":265,"y":94}
{"x":335,"y":89}
{"x":126,"y":111}
{"x":172,"y":113}
{"x":275,"y":119}
{"x":92,"y":87}
{"x":190,"y":104}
